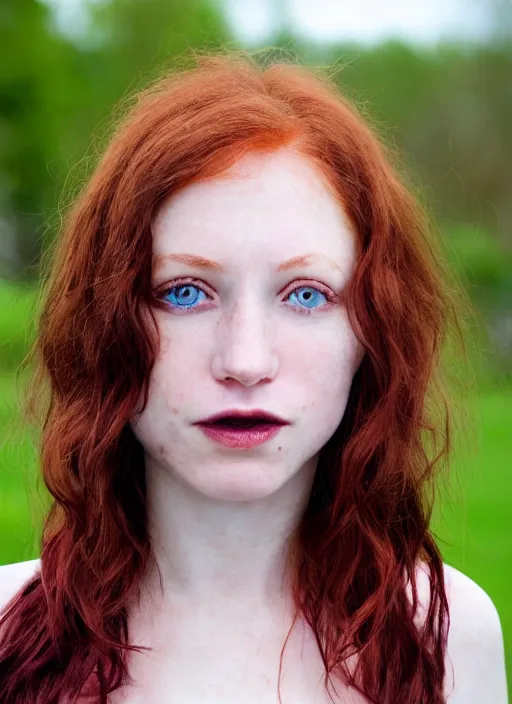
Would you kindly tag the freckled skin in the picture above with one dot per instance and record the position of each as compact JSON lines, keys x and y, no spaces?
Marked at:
{"x":220,"y":518}
{"x":247,"y":347}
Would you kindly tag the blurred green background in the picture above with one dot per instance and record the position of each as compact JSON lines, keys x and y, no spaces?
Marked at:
{"x":445,"y":105}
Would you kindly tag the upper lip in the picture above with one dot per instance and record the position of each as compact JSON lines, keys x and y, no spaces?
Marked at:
{"x":235,"y":413}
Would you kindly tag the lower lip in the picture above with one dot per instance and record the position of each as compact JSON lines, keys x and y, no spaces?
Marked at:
{"x":241,"y":437}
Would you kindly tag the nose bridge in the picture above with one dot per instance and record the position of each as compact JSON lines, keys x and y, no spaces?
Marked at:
{"x":245,"y":347}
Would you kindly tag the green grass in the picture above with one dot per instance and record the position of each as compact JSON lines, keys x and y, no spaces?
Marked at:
{"x":473,"y":526}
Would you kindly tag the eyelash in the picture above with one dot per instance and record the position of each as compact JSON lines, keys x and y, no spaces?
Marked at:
{"x":304,"y":283}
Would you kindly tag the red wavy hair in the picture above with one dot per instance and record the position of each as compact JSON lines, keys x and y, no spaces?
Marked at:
{"x":366,"y":527}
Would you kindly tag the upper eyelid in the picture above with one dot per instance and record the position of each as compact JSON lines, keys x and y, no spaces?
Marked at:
{"x":184,"y":280}
{"x":333,"y":297}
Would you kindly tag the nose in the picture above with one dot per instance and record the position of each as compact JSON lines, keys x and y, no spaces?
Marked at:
{"x":245,"y":350}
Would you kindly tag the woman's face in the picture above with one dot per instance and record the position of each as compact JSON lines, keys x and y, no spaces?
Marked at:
{"x":250,"y":328}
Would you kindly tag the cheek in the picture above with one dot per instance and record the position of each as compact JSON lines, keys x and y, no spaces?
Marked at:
{"x":328,"y":357}
{"x":165,"y":397}
{"x":171,"y":373}
{"x":181,"y":353}
{"x":171,"y":383}
{"x":324,"y":369}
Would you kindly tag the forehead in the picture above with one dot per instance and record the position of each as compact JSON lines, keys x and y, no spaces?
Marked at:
{"x":270,"y":205}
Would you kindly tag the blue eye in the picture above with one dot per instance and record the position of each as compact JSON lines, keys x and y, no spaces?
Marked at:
{"x":310,"y":299}
{"x":187,"y":295}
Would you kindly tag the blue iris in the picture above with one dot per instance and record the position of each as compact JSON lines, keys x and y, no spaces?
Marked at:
{"x":310,"y":297}
{"x":187,"y":295}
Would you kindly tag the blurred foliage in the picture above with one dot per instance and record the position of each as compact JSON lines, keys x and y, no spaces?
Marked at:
{"x":445,"y":112}
{"x":448,"y":109}
{"x":57,"y":95}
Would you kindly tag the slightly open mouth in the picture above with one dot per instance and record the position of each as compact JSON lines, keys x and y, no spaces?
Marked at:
{"x":241,"y":433}
{"x":241,"y":422}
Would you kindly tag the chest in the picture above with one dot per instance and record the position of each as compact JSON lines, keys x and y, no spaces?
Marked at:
{"x":217,"y":665}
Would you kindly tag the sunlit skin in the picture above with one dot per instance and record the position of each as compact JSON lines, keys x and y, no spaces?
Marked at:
{"x":259,"y":330}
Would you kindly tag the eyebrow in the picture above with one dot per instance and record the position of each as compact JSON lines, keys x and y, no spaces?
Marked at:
{"x":208,"y":264}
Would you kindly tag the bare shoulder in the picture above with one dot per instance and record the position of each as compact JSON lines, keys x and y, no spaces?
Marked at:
{"x":13,"y":577}
{"x":475,"y":666}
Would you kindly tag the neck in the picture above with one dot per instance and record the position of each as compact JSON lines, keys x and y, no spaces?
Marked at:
{"x":211,"y":550}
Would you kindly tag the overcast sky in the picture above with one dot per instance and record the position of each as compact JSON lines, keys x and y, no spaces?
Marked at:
{"x":368,"y":21}
{"x":424,"y":21}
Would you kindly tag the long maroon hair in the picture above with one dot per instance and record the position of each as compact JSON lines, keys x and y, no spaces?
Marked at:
{"x":366,"y":527}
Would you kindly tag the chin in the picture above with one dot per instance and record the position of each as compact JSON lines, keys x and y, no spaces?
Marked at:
{"x":244,"y":484}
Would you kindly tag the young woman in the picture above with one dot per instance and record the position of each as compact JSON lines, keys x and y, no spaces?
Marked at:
{"x":238,"y":355}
